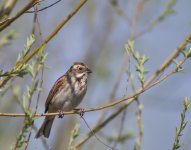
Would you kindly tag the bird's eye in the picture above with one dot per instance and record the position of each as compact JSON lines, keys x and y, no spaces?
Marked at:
{"x":80,"y":68}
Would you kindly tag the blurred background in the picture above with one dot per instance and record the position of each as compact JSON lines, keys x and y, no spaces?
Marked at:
{"x":96,"y":35}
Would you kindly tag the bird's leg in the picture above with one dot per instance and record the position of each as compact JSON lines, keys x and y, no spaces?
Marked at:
{"x":79,"y":111}
{"x":61,"y":114}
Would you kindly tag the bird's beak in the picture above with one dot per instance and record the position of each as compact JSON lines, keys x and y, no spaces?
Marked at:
{"x":88,"y":70}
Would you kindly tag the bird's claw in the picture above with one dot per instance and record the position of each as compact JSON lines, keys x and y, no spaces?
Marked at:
{"x":61,"y":114}
{"x":80,"y":111}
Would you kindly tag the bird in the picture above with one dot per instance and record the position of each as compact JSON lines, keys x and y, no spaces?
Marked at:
{"x":66,"y":94}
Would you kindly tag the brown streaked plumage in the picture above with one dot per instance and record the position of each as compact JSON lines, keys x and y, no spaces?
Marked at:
{"x":56,"y":88}
{"x":66,"y":94}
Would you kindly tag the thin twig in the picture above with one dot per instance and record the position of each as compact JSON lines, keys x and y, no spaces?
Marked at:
{"x":121,"y":127}
{"x":44,"y":7}
{"x":25,"y":125}
{"x":36,"y":107}
{"x":96,"y":135}
{"x":120,"y":12}
{"x":139,"y":122}
{"x":4,"y":24}
{"x":114,"y":90}
{"x":101,"y":125}
{"x":36,"y":23}
{"x":137,"y":14}
{"x":128,"y":61}
{"x":183,"y":124}
{"x":139,"y":111}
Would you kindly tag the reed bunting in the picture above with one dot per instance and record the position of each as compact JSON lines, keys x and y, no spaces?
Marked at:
{"x":66,"y":94}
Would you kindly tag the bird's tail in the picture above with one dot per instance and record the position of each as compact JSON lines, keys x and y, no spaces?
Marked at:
{"x":46,"y":127}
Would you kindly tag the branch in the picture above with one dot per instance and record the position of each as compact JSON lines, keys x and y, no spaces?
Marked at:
{"x":169,"y":60}
{"x":35,"y":11}
{"x":8,"y":21}
{"x":129,"y":98}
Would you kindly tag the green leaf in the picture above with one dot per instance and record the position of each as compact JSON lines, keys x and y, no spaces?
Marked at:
{"x":121,"y":139}
{"x":145,"y":72}
{"x":144,"y":59}
{"x":188,"y":54}
{"x":179,"y":130}
{"x":27,"y":46}
{"x":140,"y":77}
{"x":168,"y":10}
{"x":74,"y":135}
{"x":6,"y":39}
{"x":29,"y":42}
{"x":75,"y":131}
{"x":129,"y":47}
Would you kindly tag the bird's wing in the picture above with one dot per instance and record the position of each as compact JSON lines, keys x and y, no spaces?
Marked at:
{"x":53,"y":91}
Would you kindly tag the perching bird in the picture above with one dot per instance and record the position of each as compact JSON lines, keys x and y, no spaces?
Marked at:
{"x":66,"y":94}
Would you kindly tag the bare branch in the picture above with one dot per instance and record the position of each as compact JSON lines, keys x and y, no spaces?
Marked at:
{"x":44,"y":7}
{"x":4,"y":24}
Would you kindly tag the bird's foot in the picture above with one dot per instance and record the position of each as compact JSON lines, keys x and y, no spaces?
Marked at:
{"x":61,"y":114}
{"x":79,"y":111}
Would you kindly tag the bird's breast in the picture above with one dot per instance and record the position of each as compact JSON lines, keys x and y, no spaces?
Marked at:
{"x":69,"y":97}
